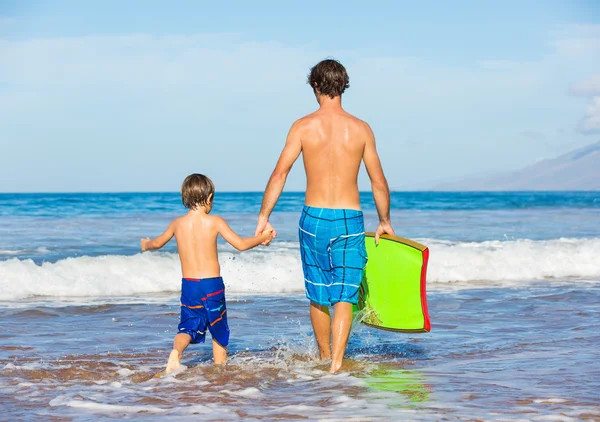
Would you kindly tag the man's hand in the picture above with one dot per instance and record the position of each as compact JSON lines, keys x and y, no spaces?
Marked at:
{"x":267,"y":235}
{"x":269,"y":232}
{"x":144,"y":244}
{"x":384,"y":228}
{"x":262,"y":226}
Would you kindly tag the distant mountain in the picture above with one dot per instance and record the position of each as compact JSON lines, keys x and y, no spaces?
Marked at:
{"x":575,"y":170}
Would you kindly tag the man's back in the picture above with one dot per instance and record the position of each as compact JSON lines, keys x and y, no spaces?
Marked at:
{"x":333,"y":142}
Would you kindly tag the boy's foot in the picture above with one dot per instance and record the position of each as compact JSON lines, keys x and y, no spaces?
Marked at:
{"x":159,"y":375}
{"x":173,"y":363}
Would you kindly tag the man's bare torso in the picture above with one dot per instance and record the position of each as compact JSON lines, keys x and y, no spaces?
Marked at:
{"x":333,"y":143}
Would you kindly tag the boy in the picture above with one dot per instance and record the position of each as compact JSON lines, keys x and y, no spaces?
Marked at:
{"x":202,"y":292}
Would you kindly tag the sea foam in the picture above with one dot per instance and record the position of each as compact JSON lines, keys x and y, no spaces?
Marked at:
{"x":278,"y":270}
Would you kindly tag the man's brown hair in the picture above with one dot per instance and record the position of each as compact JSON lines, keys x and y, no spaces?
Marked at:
{"x":197,"y":191}
{"x":330,"y":77}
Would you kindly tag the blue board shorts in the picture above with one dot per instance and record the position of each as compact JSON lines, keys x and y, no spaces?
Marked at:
{"x":333,"y":253}
{"x":203,"y":308}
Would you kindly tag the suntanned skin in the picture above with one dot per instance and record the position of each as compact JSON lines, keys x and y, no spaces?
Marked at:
{"x":333,"y":144}
{"x":196,"y":235}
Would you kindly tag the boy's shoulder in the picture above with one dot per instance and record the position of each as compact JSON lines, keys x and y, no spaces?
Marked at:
{"x":211,"y":219}
{"x":218,"y":223}
{"x":179,"y":222}
{"x":215,"y":219}
{"x":186,"y":222}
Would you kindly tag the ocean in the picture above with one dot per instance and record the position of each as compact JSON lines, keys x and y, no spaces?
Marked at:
{"x":513,"y":294}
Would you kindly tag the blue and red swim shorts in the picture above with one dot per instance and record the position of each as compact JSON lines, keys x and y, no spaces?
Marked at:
{"x":203,"y":308}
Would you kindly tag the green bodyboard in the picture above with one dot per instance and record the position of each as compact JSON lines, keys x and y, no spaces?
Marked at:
{"x":393,"y":290}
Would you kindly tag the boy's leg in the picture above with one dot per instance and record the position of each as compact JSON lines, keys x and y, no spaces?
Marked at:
{"x":342,"y":322}
{"x":321,"y":323}
{"x":179,"y":345}
{"x":219,"y":353}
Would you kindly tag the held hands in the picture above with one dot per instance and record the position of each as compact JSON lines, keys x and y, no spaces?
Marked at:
{"x":268,"y":235}
{"x":144,"y":244}
{"x":383,"y":228}
{"x":263,"y":226}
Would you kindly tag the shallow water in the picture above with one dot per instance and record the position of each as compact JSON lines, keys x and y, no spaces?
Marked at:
{"x":494,"y":353}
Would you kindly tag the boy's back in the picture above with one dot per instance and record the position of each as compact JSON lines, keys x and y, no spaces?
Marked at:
{"x":196,"y":236}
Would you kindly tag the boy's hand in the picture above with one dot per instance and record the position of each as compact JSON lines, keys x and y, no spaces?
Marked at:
{"x":144,"y":244}
{"x":261,"y":227}
{"x":269,"y":232}
{"x":267,"y":235}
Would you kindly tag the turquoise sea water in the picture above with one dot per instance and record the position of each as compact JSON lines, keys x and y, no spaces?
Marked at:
{"x":513,"y":290}
{"x":142,"y":204}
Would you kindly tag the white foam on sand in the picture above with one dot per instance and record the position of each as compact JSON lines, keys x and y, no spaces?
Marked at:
{"x":102,"y":407}
{"x":279,"y":270}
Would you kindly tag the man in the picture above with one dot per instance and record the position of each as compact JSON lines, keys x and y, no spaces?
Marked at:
{"x":332,"y":240}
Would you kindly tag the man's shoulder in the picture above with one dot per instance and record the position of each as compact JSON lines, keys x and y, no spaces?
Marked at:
{"x":360,"y":126}
{"x":305,"y":121}
{"x":316,"y":117}
{"x":354,"y":119}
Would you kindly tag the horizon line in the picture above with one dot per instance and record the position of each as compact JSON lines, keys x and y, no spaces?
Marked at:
{"x":300,"y":192}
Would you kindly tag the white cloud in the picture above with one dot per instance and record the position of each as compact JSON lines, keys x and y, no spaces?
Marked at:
{"x":590,"y":124}
{"x":499,"y":64}
{"x":580,"y":45}
{"x":6,"y":21}
{"x":163,"y":65}
{"x":587,"y":88}
{"x":129,"y":94}
{"x":578,"y":41}
{"x":578,"y":30}
{"x":533,"y":135}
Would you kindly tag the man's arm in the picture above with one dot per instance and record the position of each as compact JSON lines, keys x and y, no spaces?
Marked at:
{"x":241,"y":244}
{"x":379,"y":185}
{"x":289,"y":155}
{"x":157,"y":243}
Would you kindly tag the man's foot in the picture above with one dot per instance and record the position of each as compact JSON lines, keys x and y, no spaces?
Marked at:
{"x":173,"y":364}
{"x":335,"y":367}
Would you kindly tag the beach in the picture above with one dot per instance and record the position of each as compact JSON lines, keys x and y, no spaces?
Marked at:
{"x":513,"y":295}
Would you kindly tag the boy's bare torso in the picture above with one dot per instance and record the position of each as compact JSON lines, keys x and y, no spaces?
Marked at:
{"x":333,"y":143}
{"x":196,"y":236}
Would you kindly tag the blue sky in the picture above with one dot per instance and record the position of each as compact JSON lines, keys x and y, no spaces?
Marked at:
{"x":133,"y":96}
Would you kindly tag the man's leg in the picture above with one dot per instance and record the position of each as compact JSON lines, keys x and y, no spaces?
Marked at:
{"x":342,"y":322}
{"x":321,"y":322}
{"x":179,"y":344}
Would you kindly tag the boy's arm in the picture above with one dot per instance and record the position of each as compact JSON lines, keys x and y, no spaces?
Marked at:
{"x":241,"y":244}
{"x":157,"y":243}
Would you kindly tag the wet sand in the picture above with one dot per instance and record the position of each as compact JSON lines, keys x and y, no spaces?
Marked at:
{"x":495,"y":353}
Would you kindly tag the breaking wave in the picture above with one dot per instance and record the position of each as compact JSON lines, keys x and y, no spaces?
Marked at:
{"x":278,"y":270}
